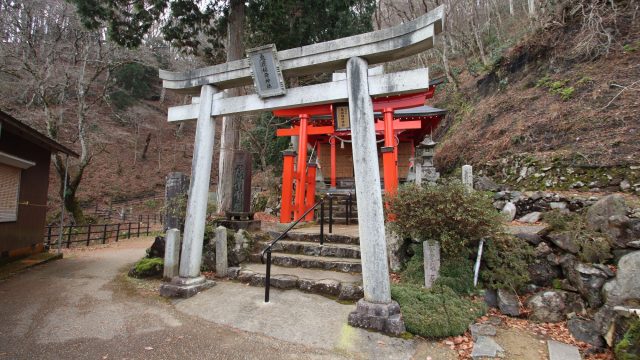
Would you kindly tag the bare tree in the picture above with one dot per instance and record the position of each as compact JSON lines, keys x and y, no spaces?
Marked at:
{"x":62,"y":70}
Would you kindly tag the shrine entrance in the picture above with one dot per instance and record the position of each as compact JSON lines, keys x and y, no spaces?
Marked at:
{"x":325,"y":157}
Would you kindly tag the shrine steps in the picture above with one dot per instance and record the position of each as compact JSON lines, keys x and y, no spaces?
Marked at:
{"x":332,"y":284}
{"x":300,"y":262}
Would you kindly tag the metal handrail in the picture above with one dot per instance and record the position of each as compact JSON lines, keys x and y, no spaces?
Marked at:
{"x":267,"y":250}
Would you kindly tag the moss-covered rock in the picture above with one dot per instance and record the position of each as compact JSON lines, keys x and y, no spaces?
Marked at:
{"x":147,"y":267}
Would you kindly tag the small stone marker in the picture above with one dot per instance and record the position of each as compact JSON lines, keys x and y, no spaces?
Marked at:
{"x":467,"y":177}
{"x":431,"y":262}
{"x":560,"y":351}
{"x":171,"y":254}
{"x":221,"y":251}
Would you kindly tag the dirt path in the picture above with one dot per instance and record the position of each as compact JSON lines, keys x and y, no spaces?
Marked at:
{"x":77,"y":308}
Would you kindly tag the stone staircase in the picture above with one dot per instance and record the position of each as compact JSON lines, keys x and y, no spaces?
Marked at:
{"x":300,"y":262}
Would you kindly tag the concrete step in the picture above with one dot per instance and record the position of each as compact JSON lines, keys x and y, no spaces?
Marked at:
{"x":332,"y":284}
{"x":346,"y":265}
{"x":315,"y":237}
{"x":561,"y":351}
{"x":315,"y":249}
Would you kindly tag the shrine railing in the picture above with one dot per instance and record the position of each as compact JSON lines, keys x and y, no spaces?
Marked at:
{"x":267,"y":250}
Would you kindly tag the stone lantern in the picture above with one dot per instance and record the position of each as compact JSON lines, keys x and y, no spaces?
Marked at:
{"x":423,"y":163}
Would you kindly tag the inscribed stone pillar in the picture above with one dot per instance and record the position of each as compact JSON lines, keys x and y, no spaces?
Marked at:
{"x":467,"y":177}
{"x":175,"y":192}
{"x":431,"y":251}
{"x":171,"y":254}
{"x":373,"y":248}
{"x":199,"y":189}
{"x":221,"y":251}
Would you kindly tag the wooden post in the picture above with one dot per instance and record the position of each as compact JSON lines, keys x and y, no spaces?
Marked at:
{"x":388,"y":154}
{"x":287,"y":185}
{"x":49,"y":235}
{"x":88,"y":234}
{"x":118,"y":232}
{"x":70,"y":227}
{"x":129,"y":231}
{"x":301,"y":170}
{"x":138,"y":233}
{"x":104,"y":234}
{"x":147,"y":225}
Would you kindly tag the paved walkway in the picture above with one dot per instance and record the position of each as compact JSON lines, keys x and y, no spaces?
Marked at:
{"x":81,"y":307}
{"x":78,"y":308}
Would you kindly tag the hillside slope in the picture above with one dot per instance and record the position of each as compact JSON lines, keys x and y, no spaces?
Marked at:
{"x":539,"y":108}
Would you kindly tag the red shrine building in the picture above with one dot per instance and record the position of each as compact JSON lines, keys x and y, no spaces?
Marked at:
{"x":323,"y":161}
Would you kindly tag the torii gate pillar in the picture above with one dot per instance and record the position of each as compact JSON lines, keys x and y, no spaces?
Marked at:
{"x":190,"y":281}
{"x":377,"y":310}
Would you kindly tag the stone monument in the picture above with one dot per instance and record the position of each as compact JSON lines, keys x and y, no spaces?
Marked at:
{"x":175,"y":193}
{"x":425,"y":171}
{"x":431,"y":251}
{"x":240,"y":215}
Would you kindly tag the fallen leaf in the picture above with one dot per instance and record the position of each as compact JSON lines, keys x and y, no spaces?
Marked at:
{"x":148,"y":348}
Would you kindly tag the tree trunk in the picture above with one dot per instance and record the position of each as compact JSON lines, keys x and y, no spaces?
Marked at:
{"x":146,"y":147}
{"x":511,"y":11}
{"x":476,"y":35}
{"x":230,"y":134}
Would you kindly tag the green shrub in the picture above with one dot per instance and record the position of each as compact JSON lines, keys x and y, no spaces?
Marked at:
{"x":629,"y":347}
{"x":445,"y":213}
{"x":505,"y":259}
{"x":458,"y":219}
{"x":435,"y":313}
{"x":455,"y":273}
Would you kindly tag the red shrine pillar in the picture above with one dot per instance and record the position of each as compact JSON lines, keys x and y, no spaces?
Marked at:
{"x":389,"y":154}
{"x":301,"y":169}
{"x":332,"y":142}
{"x":286,"y":209}
{"x":311,"y":189}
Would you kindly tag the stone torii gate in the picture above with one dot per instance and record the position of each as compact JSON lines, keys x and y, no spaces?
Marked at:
{"x":355,"y":53}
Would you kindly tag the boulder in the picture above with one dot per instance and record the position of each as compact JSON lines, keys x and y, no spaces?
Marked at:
{"x":484,"y":183}
{"x":588,"y":279}
{"x":547,"y":306}
{"x":599,"y":213}
{"x":157,"y":248}
{"x":574,"y":304}
{"x":509,"y":211}
{"x":542,"y":249}
{"x":491,"y":298}
{"x":565,"y":240}
{"x":532,"y":217}
{"x":542,"y":272}
{"x":508,"y":302}
{"x":533,"y":239}
{"x":586,"y":331}
{"x":625,"y":286}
